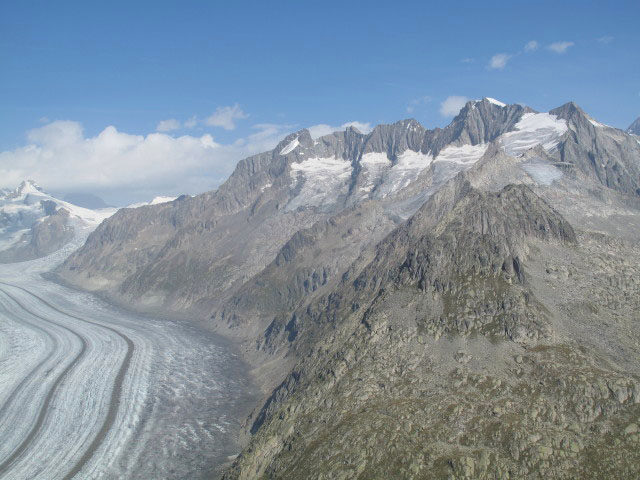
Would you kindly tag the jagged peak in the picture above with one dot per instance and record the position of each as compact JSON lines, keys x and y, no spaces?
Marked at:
{"x":400,"y":124}
{"x":571,"y":112}
{"x":25,"y":188}
{"x":568,"y":111}
{"x":489,"y":100}
{"x":482,"y":107}
{"x":292,"y":141}
{"x":352,"y":129}
{"x":634,"y":128}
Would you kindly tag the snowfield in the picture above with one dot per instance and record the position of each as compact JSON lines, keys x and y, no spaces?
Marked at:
{"x":534,"y":129}
{"x":90,"y":391}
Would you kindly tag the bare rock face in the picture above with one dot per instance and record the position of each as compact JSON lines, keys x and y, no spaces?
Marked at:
{"x":45,"y":237}
{"x":478,"y":122}
{"x":194,"y":253}
{"x":598,"y":152}
{"x":451,"y":351}
{"x":310,"y":264}
{"x":634,"y":128}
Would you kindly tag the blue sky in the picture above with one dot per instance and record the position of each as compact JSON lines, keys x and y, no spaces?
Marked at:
{"x":267,"y":68}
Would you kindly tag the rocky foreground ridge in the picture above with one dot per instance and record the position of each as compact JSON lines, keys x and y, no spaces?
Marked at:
{"x":450,"y":303}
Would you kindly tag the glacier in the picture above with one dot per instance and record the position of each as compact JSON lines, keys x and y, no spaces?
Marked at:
{"x":91,"y":391}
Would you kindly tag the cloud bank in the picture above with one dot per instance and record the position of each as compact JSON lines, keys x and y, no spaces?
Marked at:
{"x":61,"y":158}
{"x":125,"y":168}
{"x":452,"y":105}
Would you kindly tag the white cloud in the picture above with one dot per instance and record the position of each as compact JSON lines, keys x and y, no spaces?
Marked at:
{"x":265,"y":138}
{"x":61,"y":158}
{"x":226,"y":117}
{"x":137,"y":167}
{"x":126,"y":168}
{"x":191,"y":122}
{"x":168,"y":125}
{"x":322,"y":129}
{"x":606,"y":39}
{"x":531,"y":46}
{"x":499,"y":60}
{"x":560,"y":47}
{"x":467,"y":60}
{"x":452,"y":105}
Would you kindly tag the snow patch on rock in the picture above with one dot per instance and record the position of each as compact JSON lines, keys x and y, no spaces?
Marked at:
{"x":156,"y":201}
{"x":408,"y":166}
{"x":321,"y":181}
{"x":496,"y":102}
{"x":463,"y":154}
{"x":384,"y":177}
{"x":541,"y":172}
{"x":291,"y":147}
{"x":534,"y":129}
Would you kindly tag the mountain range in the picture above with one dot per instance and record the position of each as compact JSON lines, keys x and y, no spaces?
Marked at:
{"x":448,"y":303}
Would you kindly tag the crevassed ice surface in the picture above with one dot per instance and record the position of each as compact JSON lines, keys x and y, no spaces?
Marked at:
{"x":534,"y":129}
{"x":179,"y":403}
{"x":321,"y":181}
{"x":463,"y":154}
{"x":373,"y":167}
{"x":382,"y":178}
{"x":408,"y":166}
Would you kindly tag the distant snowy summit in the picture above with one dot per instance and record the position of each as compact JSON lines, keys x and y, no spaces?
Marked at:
{"x":33,"y":223}
{"x":156,"y":201}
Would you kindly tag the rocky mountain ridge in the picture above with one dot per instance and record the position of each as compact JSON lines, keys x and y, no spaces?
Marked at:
{"x":448,"y":303}
{"x":277,"y":193}
{"x":462,"y":346}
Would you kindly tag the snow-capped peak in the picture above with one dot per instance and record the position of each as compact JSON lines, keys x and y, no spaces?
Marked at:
{"x":495,"y":102}
{"x":29,"y":186}
{"x":28,"y":205}
{"x":25,"y":188}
